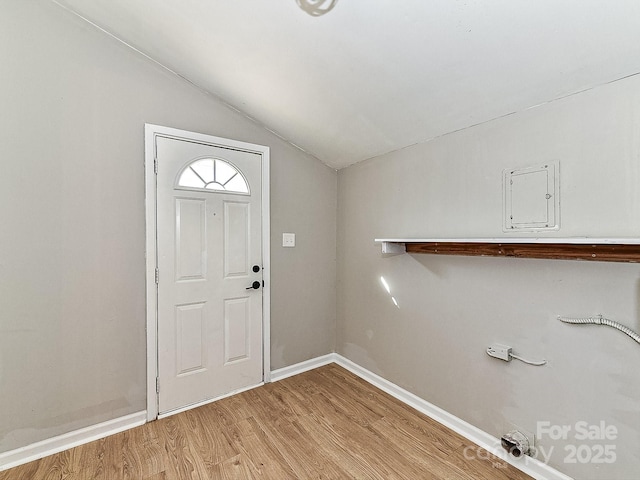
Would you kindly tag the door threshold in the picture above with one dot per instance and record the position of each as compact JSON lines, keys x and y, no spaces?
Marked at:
{"x":206,"y":402}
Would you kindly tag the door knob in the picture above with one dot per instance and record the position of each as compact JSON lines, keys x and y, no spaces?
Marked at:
{"x":254,"y":286}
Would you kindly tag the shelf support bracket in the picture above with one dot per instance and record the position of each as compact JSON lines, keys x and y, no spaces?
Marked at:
{"x":394,"y":248}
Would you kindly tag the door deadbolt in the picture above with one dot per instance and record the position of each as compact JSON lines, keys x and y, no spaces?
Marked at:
{"x":256,"y":268}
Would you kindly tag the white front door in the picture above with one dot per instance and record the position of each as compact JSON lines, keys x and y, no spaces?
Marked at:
{"x":209,"y":280}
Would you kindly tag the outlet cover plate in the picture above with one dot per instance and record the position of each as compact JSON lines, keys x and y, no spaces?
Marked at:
{"x":289,"y":240}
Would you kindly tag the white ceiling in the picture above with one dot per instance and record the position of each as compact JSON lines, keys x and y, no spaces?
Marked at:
{"x":373,"y":76}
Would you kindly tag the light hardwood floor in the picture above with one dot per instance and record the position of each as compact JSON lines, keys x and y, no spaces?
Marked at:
{"x":322,"y":424}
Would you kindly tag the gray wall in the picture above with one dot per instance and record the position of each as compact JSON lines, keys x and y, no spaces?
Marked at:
{"x":72,"y":243}
{"x":452,"y":308}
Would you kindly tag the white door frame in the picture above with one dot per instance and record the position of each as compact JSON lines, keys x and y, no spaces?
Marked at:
{"x":151,"y":132}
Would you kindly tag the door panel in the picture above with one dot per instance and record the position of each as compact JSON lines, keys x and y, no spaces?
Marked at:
{"x":236,"y":239}
{"x":189,"y":347}
{"x":191,"y":239}
{"x":209,"y":323}
{"x":237,"y":321}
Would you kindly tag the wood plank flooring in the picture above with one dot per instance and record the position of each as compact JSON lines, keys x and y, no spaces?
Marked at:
{"x":322,"y":424}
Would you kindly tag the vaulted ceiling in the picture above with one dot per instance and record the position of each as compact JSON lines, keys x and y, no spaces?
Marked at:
{"x":373,"y":76}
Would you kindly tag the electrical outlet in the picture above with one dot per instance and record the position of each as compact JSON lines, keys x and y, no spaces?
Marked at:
{"x":496,"y":350}
{"x":288,"y":239}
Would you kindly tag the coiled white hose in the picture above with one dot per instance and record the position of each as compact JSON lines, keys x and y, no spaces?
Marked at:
{"x":600,"y":320}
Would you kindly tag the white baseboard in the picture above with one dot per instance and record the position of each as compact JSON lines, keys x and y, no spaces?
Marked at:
{"x":528,"y":465}
{"x":305,"y":366}
{"x":50,"y":446}
{"x":38,"y":450}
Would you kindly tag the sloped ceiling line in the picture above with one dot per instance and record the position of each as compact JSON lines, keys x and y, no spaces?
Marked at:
{"x":182,"y":77}
{"x":594,"y":87}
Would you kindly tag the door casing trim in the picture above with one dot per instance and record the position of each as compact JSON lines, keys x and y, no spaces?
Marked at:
{"x":151,"y":132}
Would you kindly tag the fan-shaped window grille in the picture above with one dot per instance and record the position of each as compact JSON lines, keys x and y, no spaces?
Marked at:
{"x":213,"y":174}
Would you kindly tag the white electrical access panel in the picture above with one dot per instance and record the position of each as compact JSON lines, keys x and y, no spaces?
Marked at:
{"x":532,"y":198}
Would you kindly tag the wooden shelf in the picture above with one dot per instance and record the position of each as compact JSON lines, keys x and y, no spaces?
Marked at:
{"x":590,"y":249}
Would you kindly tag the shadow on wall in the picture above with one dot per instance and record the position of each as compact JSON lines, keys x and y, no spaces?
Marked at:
{"x":316,"y":8}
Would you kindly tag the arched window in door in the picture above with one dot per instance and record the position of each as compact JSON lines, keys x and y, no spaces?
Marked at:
{"x":213,"y":174}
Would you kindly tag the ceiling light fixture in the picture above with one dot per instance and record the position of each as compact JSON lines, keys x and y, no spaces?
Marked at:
{"x":315,"y":8}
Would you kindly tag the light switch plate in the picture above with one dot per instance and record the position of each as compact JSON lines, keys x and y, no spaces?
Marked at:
{"x":288,"y":239}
